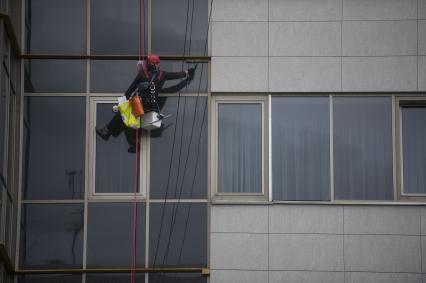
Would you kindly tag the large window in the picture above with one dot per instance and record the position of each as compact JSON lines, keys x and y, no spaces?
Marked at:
{"x":239,"y":130}
{"x":300,"y":148}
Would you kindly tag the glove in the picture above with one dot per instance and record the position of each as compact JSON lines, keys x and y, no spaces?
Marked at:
{"x":191,"y":73}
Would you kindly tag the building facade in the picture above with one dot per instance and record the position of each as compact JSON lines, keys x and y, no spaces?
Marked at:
{"x":297,"y":153}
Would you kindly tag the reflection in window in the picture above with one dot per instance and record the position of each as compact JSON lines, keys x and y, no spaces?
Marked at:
{"x":198,"y":84}
{"x":111,"y":76}
{"x":300,"y":148}
{"x":115,"y":26}
{"x":52,"y":76}
{"x":51,"y":236}
{"x":115,"y":167}
{"x":169,"y":19}
{"x":414,"y":149}
{"x":162,"y":146}
{"x":56,"y":26}
{"x":177,"y":278}
{"x":113,"y":278}
{"x":109,"y":243}
{"x":3,"y":120}
{"x":49,"y":278}
{"x":363,"y":148}
{"x":239,"y":148}
{"x":182,"y":244}
{"x":54,"y":152}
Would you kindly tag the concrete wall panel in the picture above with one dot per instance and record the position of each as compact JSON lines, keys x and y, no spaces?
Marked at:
{"x":305,"y":10}
{"x":379,"y":38}
{"x":306,"y":219}
{"x":422,"y":37}
{"x":306,"y":252}
{"x":379,"y":9}
{"x":305,"y":39}
{"x":422,"y":73}
{"x":382,"y":220}
{"x":382,"y":253}
{"x":239,"y":74}
{"x":240,"y":39}
{"x":240,"y":10}
{"x":304,"y":74}
{"x":239,"y":251}
{"x":380,"y":73}
{"x":369,"y":277}
{"x":422,"y":9}
{"x":238,"y":276}
{"x":305,"y":277}
{"x":239,"y":218}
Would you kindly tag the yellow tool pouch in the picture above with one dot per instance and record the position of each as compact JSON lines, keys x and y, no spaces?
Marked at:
{"x":127,"y":116}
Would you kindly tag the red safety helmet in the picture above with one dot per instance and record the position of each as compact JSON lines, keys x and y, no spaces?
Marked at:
{"x":153,"y":59}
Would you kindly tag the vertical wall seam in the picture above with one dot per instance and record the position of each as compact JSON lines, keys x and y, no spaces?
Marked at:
{"x":341,"y":48}
{"x":343,"y":235}
{"x":421,"y":246}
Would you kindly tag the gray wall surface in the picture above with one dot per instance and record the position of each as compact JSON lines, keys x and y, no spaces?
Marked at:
{"x":318,"y":45}
{"x":317,"y":243}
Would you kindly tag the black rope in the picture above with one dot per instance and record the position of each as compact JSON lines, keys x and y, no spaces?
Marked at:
{"x":176,"y":206}
{"x":173,"y":146}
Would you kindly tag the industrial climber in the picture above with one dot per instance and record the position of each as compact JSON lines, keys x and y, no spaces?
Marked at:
{"x":149,"y":83}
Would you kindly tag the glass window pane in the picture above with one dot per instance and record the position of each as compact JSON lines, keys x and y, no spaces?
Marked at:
{"x":109,"y":243}
{"x":54,"y":147}
{"x":414,"y":149}
{"x":115,"y":26}
{"x":52,"y":76}
{"x":113,"y":278}
{"x":177,"y":278}
{"x":56,"y":26}
{"x":51,"y":236}
{"x":169,"y":21}
{"x":115,"y":167}
{"x":300,"y":148}
{"x":48,"y":278}
{"x":240,"y":148}
{"x":183,"y":243}
{"x":3,"y":120}
{"x":192,"y":181}
{"x":112,"y":76}
{"x":197,"y":85}
{"x":363,"y":148}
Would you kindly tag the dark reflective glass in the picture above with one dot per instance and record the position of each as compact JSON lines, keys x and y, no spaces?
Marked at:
{"x":188,"y":175}
{"x":3,"y":116}
{"x":414,"y":149}
{"x":115,"y":167}
{"x":300,"y":148}
{"x":362,"y":140}
{"x":54,"y":147}
{"x":109,"y":235}
{"x":115,"y":26}
{"x":113,"y":278}
{"x":176,"y":278}
{"x":178,"y":235}
{"x":51,"y":236}
{"x":112,"y":76}
{"x":197,"y":85}
{"x":2,"y":189}
{"x":56,"y":26}
{"x":48,"y":278}
{"x":51,"y":76}
{"x":170,"y":19}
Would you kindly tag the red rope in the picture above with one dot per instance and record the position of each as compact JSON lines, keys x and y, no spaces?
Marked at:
{"x":133,"y":267}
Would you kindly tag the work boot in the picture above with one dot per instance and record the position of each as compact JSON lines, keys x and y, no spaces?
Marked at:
{"x":104,"y":133}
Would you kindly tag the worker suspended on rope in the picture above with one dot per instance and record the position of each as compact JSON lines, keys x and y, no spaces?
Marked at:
{"x":148,"y":84}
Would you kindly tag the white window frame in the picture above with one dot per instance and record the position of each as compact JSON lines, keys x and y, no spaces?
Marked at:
{"x":230,"y":99}
{"x":400,"y":101}
{"x":143,"y":158}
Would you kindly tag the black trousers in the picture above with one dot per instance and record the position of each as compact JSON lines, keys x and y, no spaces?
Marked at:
{"x":116,"y":127}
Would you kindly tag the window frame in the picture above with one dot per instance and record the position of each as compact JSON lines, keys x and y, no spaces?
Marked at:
{"x":143,"y":158}
{"x":263,"y":100}
{"x":399,"y":103}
